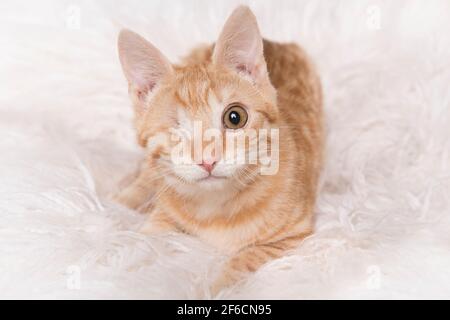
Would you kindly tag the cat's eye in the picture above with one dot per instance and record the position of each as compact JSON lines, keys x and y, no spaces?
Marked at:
{"x":235,"y":117}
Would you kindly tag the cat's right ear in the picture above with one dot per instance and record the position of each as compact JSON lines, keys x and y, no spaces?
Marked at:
{"x":143,"y":64}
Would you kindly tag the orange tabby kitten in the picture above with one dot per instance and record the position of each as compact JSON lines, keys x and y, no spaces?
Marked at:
{"x":241,"y":84}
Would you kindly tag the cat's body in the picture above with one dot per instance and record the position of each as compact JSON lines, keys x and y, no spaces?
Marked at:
{"x":214,"y":217}
{"x":250,"y":216}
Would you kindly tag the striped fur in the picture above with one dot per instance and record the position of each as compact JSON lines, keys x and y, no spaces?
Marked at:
{"x":251,"y":217}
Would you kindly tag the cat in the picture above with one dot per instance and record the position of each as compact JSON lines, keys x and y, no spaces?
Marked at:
{"x":241,"y":83}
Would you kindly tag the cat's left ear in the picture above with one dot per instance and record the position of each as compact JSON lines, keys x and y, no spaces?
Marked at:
{"x":240,"y":46}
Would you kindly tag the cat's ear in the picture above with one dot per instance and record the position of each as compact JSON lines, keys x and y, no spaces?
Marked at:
{"x":240,"y":45}
{"x":143,"y":64}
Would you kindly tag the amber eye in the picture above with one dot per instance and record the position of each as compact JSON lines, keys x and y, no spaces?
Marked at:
{"x":235,"y":117}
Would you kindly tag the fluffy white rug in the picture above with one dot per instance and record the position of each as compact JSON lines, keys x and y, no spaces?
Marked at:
{"x":383,"y":215}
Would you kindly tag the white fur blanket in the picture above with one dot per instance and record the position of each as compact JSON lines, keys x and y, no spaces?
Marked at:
{"x":66,"y":140}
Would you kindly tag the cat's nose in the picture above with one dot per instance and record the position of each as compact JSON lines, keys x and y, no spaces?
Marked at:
{"x":208,"y":165}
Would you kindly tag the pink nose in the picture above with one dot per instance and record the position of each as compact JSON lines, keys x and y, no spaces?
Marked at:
{"x":208,"y":166}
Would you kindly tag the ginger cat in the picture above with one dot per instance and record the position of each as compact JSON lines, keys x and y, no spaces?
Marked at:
{"x":241,"y":84}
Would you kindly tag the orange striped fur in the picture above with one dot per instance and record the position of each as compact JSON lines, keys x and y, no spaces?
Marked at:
{"x":253,"y":218}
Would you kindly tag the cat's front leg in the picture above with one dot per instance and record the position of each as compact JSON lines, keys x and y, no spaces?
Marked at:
{"x":158,"y":222}
{"x":250,"y":259}
{"x":139,"y":193}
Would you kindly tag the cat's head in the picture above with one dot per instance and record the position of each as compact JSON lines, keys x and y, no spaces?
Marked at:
{"x":227,"y":95}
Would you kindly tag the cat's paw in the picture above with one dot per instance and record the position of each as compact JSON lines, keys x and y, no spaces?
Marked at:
{"x":217,"y":286}
{"x":126,"y":199}
{"x":224,"y":282}
{"x":154,"y":226}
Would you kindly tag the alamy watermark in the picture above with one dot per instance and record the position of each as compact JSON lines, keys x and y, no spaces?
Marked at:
{"x":73,"y":17}
{"x":73,"y":280}
{"x":234,"y":147}
{"x":373,"y":281}
{"x":373,"y":20}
